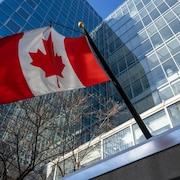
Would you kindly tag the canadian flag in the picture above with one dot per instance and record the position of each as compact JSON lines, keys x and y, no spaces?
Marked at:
{"x":42,"y":61}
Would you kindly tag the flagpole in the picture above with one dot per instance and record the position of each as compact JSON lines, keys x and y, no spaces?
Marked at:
{"x":128,"y":103}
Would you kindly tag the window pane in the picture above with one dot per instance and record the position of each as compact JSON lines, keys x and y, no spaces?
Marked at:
{"x":158,"y":76}
{"x":177,"y":59}
{"x":175,"y":26}
{"x":176,"y":87}
{"x":13,"y":26}
{"x":163,"y":7}
{"x":146,"y":20}
{"x":117,"y":142}
{"x":165,"y":93}
{"x":156,"y":40}
{"x":157,"y":123}
{"x":137,"y":88}
{"x":153,"y":61}
{"x":170,"y":67}
{"x":163,"y":54}
{"x":174,"y":47}
{"x":166,"y":33}
{"x":160,"y":23}
{"x":174,"y":112}
{"x":154,"y":14}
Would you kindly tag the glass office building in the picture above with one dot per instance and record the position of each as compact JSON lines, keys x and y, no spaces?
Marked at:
{"x":140,"y":41}
{"x":148,"y":68}
{"x":21,"y":15}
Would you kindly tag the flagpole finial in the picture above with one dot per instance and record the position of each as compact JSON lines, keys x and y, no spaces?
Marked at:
{"x":81,"y":25}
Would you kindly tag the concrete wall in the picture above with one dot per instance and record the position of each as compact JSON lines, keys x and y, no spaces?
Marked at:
{"x":163,"y":165}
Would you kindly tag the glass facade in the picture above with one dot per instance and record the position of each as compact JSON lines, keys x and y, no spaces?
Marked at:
{"x":21,"y":15}
{"x":143,"y":51}
{"x":140,"y":41}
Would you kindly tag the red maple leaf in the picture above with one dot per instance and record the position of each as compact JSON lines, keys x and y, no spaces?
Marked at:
{"x":50,"y":63}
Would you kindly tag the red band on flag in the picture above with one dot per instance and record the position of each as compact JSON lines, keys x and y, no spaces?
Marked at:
{"x":83,"y":61}
{"x":13,"y":85}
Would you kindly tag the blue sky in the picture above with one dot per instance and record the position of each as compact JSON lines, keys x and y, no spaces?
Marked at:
{"x":105,"y":7}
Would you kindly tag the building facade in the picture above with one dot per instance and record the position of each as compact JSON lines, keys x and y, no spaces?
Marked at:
{"x":142,"y":47}
{"x":140,"y":41}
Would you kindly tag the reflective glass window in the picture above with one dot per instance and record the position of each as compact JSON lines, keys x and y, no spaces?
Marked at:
{"x":31,"y":3}
{"x":156,"y":98}
{"x":157,"y":123}
{"x":145,"y":65}
{"x":13,"y":4}
{"x":160,"y":23}
{"x":138,"y":135}
{"x":143,"y":13}
{"x":137,"y":88}
{"x":175,"y":26}
{"x":143,"y":35}
{"x":174,"y":113}
{"x":170,"y":67}
{"x":3,"y":18}
{"x":138,"y":51}
{"x":150,"y":7}
{"x":19,"y":19}
{"x":147,"y":46}
{"x":165,"y":93}
{"x":134,"y":73}
{"x":144,"y":104}
{"x":146,"y":20}
{"x":174,"y":46}
{"x":176,"y":86}
{"x":154,"y":14}
{"x":169,"y":16}
{"x":8,"y":10}
{"x":122,"y":65}
{"x":124,"y":79}
{"x":128,"y":91}
{"x":146,"y":1}
{"x":151,"y":29}
{"x":163,"y":7}
{"x":130,"y":59}
{"x":138,"y":26}
{"x":157,"y":2}
{"x":176,"y":10}
{"x":4,"y":31}
{"x":152,"y":61}
{"x":145,"y":82}
{"x":163,"y":54}
{"x":139,"y":6}
{"x":166,"y":33}
{"x":27,"y":8}
{"x":171,"y":3}
{"x":158,"y":76}
{"x":115,"y":68}
{"x":23,"y":13}
{"x":13,"y":26}
{"x":117,"y":142}
{"x":156,"y":40}
{"x":38,"y":17}
{"x":177,"y":59}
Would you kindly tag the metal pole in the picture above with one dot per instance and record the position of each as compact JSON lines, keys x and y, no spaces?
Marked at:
{"x":128,"y":103}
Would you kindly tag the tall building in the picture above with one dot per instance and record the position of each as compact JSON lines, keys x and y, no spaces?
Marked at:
{"x":21,"y":15}
{"x":140,"y":41}
{"x":148,"y":68}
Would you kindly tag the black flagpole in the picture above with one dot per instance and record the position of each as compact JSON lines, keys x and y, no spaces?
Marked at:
{"x":117,"y":85}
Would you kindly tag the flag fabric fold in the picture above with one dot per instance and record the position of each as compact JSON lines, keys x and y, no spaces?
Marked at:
{"x":43,"y":61}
